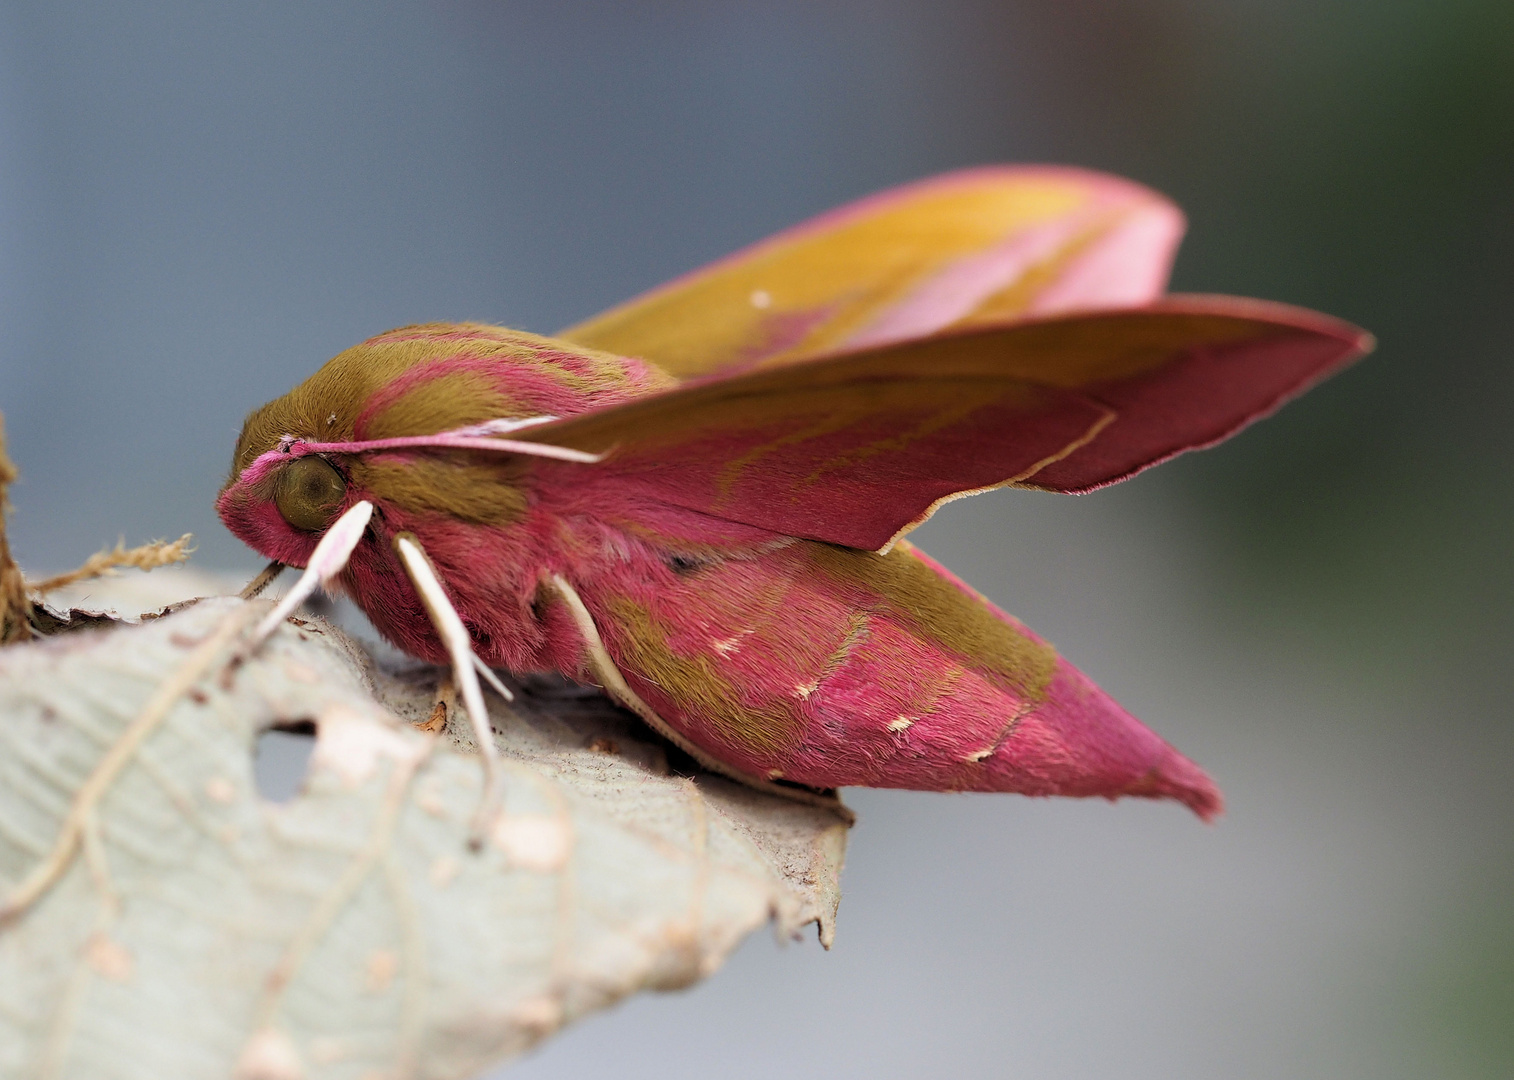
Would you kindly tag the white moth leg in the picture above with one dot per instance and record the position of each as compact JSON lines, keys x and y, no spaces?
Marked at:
{"x":328,"y":559}
{"x":454,"y":635}
{"x":616,"y":686}
{"x":492,"y":679}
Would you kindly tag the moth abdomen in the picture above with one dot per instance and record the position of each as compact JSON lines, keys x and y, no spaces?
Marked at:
{"x":834,"y":668}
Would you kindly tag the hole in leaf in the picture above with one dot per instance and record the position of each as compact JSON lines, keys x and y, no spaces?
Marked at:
{"x":281,"y":758}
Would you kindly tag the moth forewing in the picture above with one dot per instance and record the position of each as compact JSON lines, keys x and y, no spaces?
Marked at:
{"x":492,"y":679}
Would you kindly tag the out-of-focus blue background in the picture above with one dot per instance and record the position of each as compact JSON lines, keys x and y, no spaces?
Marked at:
{"x":200,"y":203}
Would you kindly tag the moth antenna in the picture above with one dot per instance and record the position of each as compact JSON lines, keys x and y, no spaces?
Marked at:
{"x":454,"y":635}
{"x":501,"y":426}
{"x":615,"y":685}
{"x":492,"y":679}
{"x":326,"y":562}
{"x":445,"y":440}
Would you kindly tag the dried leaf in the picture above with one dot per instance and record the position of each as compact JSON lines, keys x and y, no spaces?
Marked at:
{"x":199,"y":930}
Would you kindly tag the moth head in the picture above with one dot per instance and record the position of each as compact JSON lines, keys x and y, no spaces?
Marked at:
{"x":305,"y":457}
{"x":284,"y":502}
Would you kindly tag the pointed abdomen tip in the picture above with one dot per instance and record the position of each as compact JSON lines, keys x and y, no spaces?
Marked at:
{"x":1179,"y":779}
{"x":1082,"y":742}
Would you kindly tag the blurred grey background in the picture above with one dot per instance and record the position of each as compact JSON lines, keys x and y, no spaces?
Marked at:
{"x":200,"y":203}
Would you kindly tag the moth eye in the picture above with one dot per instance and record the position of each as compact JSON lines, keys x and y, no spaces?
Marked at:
{"x":309,"y":493}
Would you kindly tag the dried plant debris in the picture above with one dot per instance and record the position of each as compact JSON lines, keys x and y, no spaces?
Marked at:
{"x":23,"y":614}
{"x":105,"y":563}
{"x":165,"y":920}
{"x":15,"y":606}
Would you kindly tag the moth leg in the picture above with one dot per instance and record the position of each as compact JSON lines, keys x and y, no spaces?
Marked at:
{"x":441,"y":704}
{"x":449,"y":627}
{"x":326,"y":562}
{"x":616,"y":686}
{"x":445,"y":698}
{"x":254,"y":588}
{"x":492,"y":679}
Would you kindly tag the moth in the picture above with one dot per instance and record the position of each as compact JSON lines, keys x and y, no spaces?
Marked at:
{"x":698,"y":499}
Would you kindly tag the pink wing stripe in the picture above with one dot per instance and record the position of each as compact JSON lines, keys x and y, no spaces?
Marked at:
{"x":1127,"y":267}
{"x":962,"y":286}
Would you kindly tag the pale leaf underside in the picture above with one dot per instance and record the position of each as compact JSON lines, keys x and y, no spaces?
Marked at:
{"x":202,"y":931}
